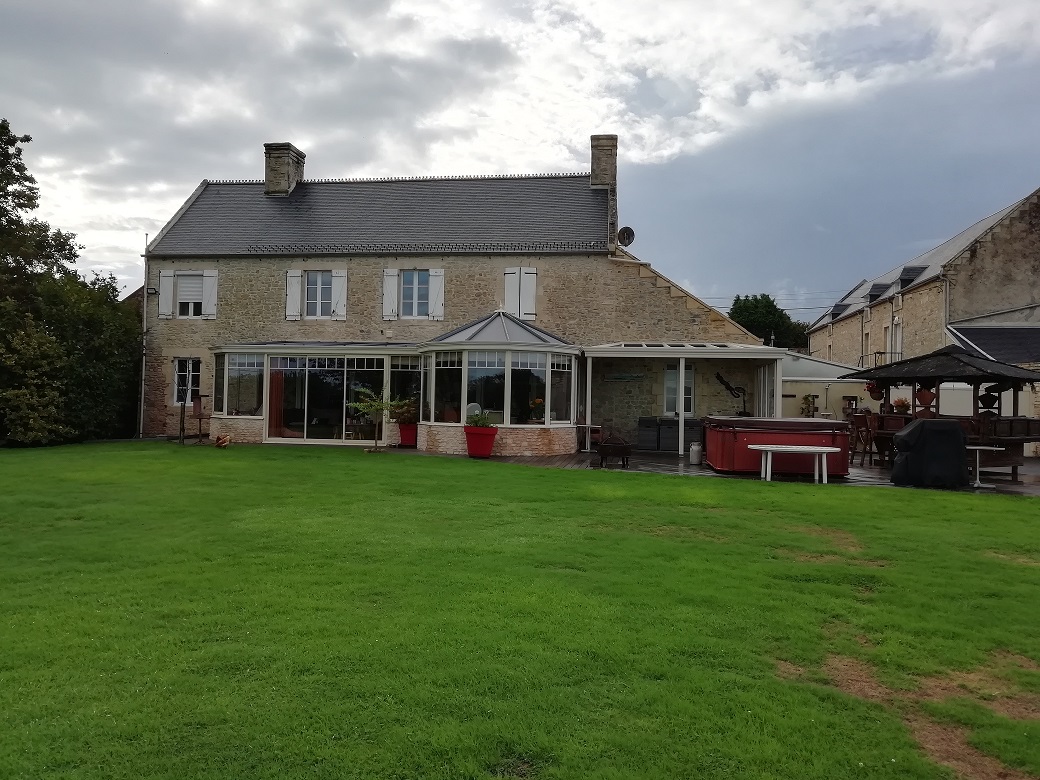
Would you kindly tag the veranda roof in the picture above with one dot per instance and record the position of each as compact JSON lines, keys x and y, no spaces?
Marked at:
{"x":690,"y":349}
{"x":500,"y":330}
{"x":949,"y":364}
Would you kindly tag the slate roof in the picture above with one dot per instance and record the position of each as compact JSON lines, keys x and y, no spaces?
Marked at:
{"x":949,"y":364}
{"x":540,"y":213}
{"x":921,"y":269}
{"x":1007,"y":343}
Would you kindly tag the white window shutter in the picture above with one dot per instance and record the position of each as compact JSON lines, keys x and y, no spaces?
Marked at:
{"x":293,"y":294}
{"x":528,"y":292}
{"x":512,"y":302}
{"x":390,"y":277}
{"x":209,"y":295}
{"x":339,"y":295}
{"x":166,"y":281}
{"x":436,"y":293}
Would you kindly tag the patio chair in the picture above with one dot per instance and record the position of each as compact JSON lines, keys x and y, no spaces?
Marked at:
{"x":862,"y":435}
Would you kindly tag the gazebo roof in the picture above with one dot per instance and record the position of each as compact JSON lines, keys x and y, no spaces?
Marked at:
{"x":949,"y":364}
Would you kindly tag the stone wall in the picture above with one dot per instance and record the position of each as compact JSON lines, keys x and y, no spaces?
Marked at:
{"x":861,"y":334}
{"x":244,"y":430}
{"x":585,"y":299}
{"x":520,"y":441}
{"x":618,"y":405}
{"x":1000,"y":271}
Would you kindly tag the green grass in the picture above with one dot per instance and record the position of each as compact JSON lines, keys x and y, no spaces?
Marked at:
{"x":285,"y":612}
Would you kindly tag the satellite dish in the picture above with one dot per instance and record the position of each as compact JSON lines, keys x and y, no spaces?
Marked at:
{"x":626,"y":236}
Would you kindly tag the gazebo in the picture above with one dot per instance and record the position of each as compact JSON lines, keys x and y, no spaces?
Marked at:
{"x":988,"y":379}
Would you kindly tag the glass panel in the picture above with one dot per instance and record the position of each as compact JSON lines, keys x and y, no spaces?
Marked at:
{"x":324,"y":402}
{"x":287,"y":393}
{"x":245,"y":389}
{"x":218,"y":384}
{"x":405,"y":382}
{"x":447,"y":403}
{"x":486,"y":380}
{"x":527,"y":397}
{"x":560,"y":389}
{"x":359,"y":426}
{"x":424,"y":412}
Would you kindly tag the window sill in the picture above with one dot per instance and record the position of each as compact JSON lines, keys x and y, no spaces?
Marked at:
{"x":221,"y":416}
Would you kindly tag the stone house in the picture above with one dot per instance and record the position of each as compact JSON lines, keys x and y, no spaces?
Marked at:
{"x":980,"y":290}
{"x":278,"y":300}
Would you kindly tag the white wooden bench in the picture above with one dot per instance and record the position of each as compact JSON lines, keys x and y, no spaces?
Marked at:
{"x":819,"y":459}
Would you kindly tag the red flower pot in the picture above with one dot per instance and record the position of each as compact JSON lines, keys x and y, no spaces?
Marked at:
{"x":479,"y":440}
{"x":409,"y":433}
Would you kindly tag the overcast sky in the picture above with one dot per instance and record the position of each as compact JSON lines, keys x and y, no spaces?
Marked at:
{"x":785,"y":146}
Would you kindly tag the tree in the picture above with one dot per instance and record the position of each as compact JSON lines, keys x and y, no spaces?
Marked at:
{"x":377,"y":408}
{"x":760,"y":315}
{"x":69,"y":350}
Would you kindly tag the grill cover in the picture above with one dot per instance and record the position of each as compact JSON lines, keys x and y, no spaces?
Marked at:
{"x":931,"y":453}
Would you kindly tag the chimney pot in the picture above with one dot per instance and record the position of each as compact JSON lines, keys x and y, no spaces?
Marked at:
{"x":604,"y":161}
{"x":283,"y":168}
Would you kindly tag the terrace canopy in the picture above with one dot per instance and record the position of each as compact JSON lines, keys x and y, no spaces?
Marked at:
{"x":951,"y":364}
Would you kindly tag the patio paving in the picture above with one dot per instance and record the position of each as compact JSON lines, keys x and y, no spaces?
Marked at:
{"x":666,"y":463}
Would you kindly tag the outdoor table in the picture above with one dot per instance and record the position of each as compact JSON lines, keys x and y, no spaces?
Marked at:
{"x":978,"y":450}
{"x":819,"y":458}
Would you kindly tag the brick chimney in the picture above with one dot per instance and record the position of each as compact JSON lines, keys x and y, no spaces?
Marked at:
{"x":283,"y":168}
{"x":604,"y":161}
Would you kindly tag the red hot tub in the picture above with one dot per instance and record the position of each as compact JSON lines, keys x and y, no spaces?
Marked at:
{"x":726,"y":441}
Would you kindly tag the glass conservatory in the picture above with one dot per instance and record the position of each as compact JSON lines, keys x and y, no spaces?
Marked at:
{"x":522,"y":377}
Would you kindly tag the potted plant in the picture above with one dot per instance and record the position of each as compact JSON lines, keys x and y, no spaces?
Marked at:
{"x":408,"y":424}
{"x":808,"y":407}
{"x":901,"y":405}
{"x":480,"y":435}
{"x":874,"y":390}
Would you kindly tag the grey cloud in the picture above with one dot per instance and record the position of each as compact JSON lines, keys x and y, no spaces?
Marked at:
{"x":122,"y":223}
{"x":886,"y":179}
{"x":863,"y":48}
{"x":89,"y":60}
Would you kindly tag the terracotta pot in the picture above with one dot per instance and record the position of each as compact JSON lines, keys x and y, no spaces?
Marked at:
{"x":409,"y":433}
{"x":924,"y":397}
{"x":479,"y":440}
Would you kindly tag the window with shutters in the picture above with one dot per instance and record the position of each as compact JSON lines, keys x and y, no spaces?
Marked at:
{"x":189,"y":295}
{"x":318,"y":295}
{"x":415,"y":294}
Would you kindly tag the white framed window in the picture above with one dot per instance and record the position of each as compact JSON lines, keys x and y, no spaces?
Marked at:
{"x":187,"y":372}
{"x":188,"y":295}
{"x":413,"y":293}
{"x":316,"y":295}
{"x":671,"y":389}
{"x":521,"y":292}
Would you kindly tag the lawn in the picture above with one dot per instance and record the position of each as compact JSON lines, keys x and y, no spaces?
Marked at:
{"x":289,"y":612}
